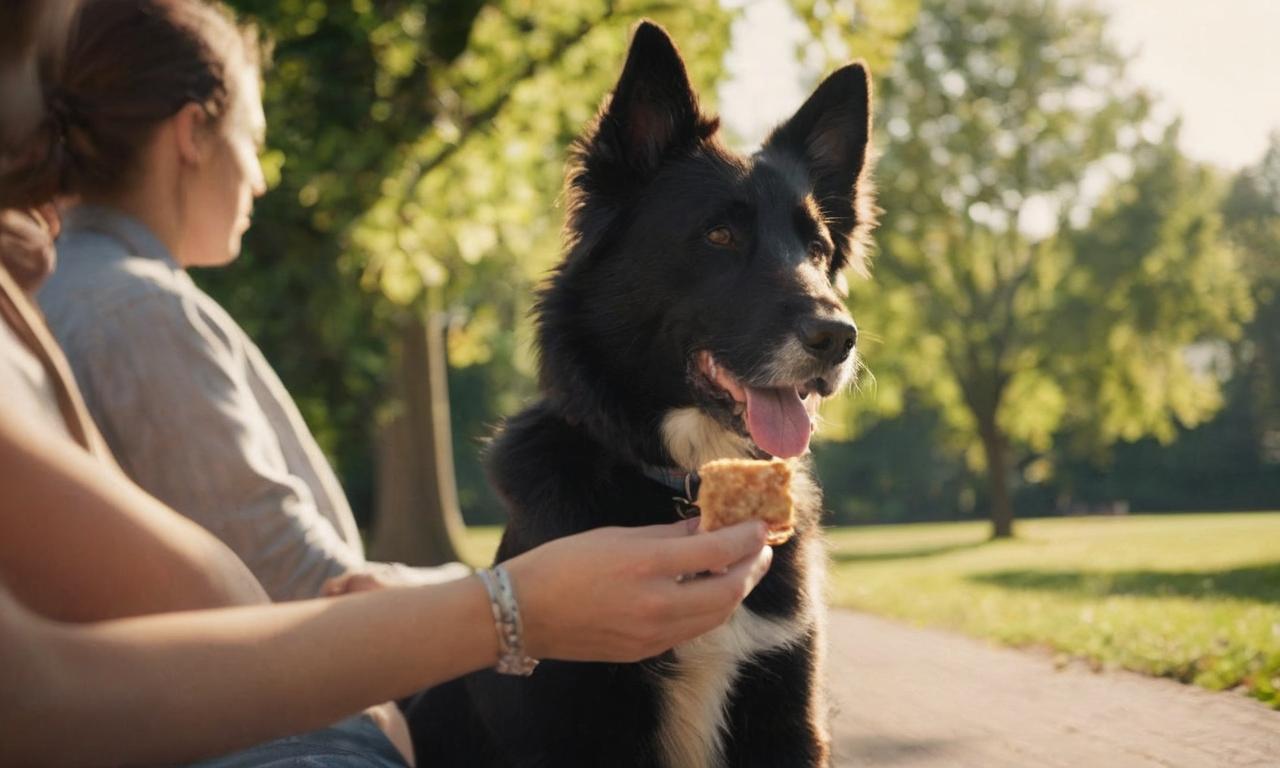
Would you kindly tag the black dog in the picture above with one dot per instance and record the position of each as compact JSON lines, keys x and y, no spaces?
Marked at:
{"x":695,"y":316}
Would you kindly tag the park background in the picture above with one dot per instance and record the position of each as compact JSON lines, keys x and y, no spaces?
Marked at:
{"x":1074,"y":307}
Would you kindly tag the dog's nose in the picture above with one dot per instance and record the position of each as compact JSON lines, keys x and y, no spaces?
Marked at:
{"x":829,"y":340}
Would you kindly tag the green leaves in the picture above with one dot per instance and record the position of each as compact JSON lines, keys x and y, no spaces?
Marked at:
{"x":480,"y":184}
{"x":1160,"y":306}
{"x":1007,"y":291}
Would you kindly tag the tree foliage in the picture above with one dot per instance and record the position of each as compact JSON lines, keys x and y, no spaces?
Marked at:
{"x":840,"y":30}
{"x":1005,"y":293}
{"x":1252,"y":215}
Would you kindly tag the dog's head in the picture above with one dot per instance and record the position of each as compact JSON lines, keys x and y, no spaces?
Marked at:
{"x":699,"y":310}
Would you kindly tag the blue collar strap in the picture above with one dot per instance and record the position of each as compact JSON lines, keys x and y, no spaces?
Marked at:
{"x":684,"y":484}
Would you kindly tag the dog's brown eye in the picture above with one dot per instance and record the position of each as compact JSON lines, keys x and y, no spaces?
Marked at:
{"x":720,"y":236}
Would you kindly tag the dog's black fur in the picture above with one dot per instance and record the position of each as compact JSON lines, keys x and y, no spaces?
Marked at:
{"x":643,"y":290}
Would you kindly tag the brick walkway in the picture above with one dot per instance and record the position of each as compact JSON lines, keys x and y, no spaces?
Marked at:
{"x":914,"y":698}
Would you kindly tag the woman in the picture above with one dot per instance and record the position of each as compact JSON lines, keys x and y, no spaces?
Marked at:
{"x":160,"y":123}
{"x":79,"y":542}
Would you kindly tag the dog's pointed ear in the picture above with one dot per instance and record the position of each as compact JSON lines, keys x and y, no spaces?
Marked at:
{"x":653,"y":109}
{"x":829,"y":135}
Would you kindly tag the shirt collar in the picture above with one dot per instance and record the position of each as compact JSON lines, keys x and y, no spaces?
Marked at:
{"x":114,"y":223}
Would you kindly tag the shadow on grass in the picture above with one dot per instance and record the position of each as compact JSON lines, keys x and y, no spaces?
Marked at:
{"x":1260,"y":583}
{"x":903,"y":554}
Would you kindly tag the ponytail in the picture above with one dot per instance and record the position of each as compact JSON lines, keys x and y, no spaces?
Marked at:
{"x":127,"y":66}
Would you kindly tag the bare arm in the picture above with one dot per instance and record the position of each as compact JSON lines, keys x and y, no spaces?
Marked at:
{"x":181,"y":686}
{"x":79,"y":542}
{"x":185,"y":685}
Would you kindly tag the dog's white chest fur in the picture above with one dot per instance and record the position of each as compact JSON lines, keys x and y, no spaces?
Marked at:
{"x":696,"y":697}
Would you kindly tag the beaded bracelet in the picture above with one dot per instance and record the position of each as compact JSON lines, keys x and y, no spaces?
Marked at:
{"x":506,"y":619}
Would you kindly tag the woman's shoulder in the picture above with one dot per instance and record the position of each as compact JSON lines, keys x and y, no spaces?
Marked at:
{"x":96,"y":274}
{"x":115,"y":286}
{"x":109,"y":307}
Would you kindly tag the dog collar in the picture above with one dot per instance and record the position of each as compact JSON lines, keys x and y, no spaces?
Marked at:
{"x":685,"y":484}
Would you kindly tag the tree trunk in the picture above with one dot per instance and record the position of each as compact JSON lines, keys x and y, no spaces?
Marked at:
{"x":417,"y":519}
{"x":996,"y":447}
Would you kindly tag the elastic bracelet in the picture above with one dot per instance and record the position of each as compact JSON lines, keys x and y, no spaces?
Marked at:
{"x":506,"y":620}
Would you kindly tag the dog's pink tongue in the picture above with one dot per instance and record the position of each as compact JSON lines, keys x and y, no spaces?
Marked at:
{"x":778,"y":421}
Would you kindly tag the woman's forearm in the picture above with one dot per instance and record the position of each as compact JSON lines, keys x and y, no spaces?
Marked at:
{"x":79,"y":542}
{"x":190,"y":685}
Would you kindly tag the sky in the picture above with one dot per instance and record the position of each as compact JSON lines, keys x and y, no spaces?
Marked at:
{"x":764,"y":81}
{"x":1215,"y":62}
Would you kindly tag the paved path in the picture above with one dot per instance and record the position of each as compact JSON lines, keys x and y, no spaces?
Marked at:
{"x":915,"y":698}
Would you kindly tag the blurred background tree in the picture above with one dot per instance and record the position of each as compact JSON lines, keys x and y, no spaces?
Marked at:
{"x":1233,"y":460}
{"x":1005,"y":297}
{"x":1252,"y":215}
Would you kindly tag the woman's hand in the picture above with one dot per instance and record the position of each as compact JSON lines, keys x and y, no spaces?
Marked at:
{"x":624,"y":594}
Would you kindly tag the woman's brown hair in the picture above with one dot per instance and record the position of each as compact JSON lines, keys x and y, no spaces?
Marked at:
{"x":128,"y":66}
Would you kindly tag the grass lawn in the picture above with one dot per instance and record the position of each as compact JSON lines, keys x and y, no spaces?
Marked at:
{"x":1192,"y":597}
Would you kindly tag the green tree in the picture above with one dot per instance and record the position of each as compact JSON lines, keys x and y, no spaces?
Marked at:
{"x":870,"y":30}
{"x":1231,"y":461}
{"x":1001,"y":294}
{"x":1252,"y":218}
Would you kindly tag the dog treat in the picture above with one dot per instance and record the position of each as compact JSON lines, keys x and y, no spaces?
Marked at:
{"x":734,"y":490}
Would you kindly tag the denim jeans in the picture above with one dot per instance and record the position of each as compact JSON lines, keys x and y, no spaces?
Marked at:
{"x":352,"y":743}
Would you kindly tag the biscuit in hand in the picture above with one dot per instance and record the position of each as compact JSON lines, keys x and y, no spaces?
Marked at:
{"x":735,"y":490}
